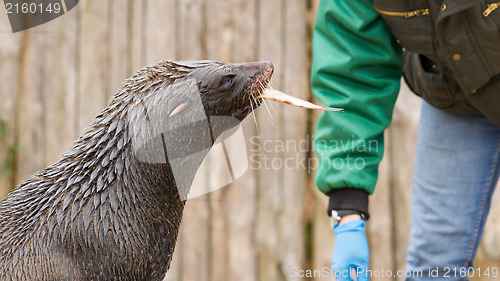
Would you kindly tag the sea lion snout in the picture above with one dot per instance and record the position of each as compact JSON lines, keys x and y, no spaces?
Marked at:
{"x":254,"y":69}
{"x":268,"y":67}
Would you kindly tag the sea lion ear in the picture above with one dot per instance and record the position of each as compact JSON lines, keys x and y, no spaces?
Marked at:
{"x":179,"y":109}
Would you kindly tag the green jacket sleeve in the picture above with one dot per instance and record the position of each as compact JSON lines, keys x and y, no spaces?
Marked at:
{"x":357,"y":65}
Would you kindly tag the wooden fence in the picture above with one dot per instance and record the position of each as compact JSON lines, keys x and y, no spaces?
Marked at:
{"x":57,"y":77}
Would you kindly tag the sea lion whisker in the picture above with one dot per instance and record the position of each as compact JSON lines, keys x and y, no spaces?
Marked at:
{"x":275,"y":110}
{"x":269,"y":112}
{"x":254,"y":117}
{"x":252,"y":100}
{"x":271,"y":85}
{"x":261,"y":89}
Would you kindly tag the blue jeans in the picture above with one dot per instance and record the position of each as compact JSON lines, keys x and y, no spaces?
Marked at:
{"x":456,"y":171}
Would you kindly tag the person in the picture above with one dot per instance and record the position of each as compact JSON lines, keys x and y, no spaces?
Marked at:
{"x":451,"y":59}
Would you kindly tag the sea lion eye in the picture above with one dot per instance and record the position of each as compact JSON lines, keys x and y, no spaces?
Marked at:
{"x":227,"y":82}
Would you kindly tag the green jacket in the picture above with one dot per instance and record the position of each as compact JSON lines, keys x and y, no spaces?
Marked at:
{"x":357,"y":65}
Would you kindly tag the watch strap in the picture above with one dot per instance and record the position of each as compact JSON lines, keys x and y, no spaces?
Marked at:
{"x":336,"y":216}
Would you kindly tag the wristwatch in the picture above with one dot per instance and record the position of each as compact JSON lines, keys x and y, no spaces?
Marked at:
{"x":336,"y":216}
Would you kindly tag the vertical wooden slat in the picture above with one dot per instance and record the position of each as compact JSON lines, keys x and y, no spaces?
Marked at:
{"x":241,"y":198}
{"x":323,"y":237}
{"x":380,"y":227}
{"x":191,"y":29}
{"x":30,"y":131}
{"x":219,"y":34}
{"x":322,"y":233}
{"x":59,"y":85}
{"x":295,"y":175}
{"x":270,"y":189}
{"x":195,"y":225}
{"x":218,"y":225}
{"x":119,"y":45}
{"x":93,"y":61}
{"x":240,"y":214}
{"x":10,"y":52}
{"x":218,"y":38}
{"x":160,"y":31}
{"x":137,"y":34}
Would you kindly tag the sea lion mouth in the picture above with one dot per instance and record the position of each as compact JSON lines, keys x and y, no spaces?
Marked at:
{"x":261,"y":81}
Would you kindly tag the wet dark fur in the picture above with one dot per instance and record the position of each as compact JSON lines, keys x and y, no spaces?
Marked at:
{"x":100,"y":213}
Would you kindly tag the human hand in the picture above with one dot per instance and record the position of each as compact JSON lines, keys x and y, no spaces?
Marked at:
{"x":351,"y":250}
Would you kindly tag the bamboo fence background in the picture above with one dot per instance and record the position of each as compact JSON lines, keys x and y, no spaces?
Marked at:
{"x":57,"y":77}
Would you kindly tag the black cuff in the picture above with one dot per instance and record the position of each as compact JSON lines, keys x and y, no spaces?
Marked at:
{"x":349,"y":199}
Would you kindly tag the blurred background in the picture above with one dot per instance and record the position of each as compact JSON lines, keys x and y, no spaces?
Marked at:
{"x":55,"y":78}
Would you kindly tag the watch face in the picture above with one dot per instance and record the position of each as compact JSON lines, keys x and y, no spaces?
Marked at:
{"x":334,"y":218}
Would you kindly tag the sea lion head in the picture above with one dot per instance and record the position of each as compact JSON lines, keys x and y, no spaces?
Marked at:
{"x":231,"y":89}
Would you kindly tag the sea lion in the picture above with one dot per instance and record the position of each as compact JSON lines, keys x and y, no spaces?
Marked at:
{"x":110,"y":209}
